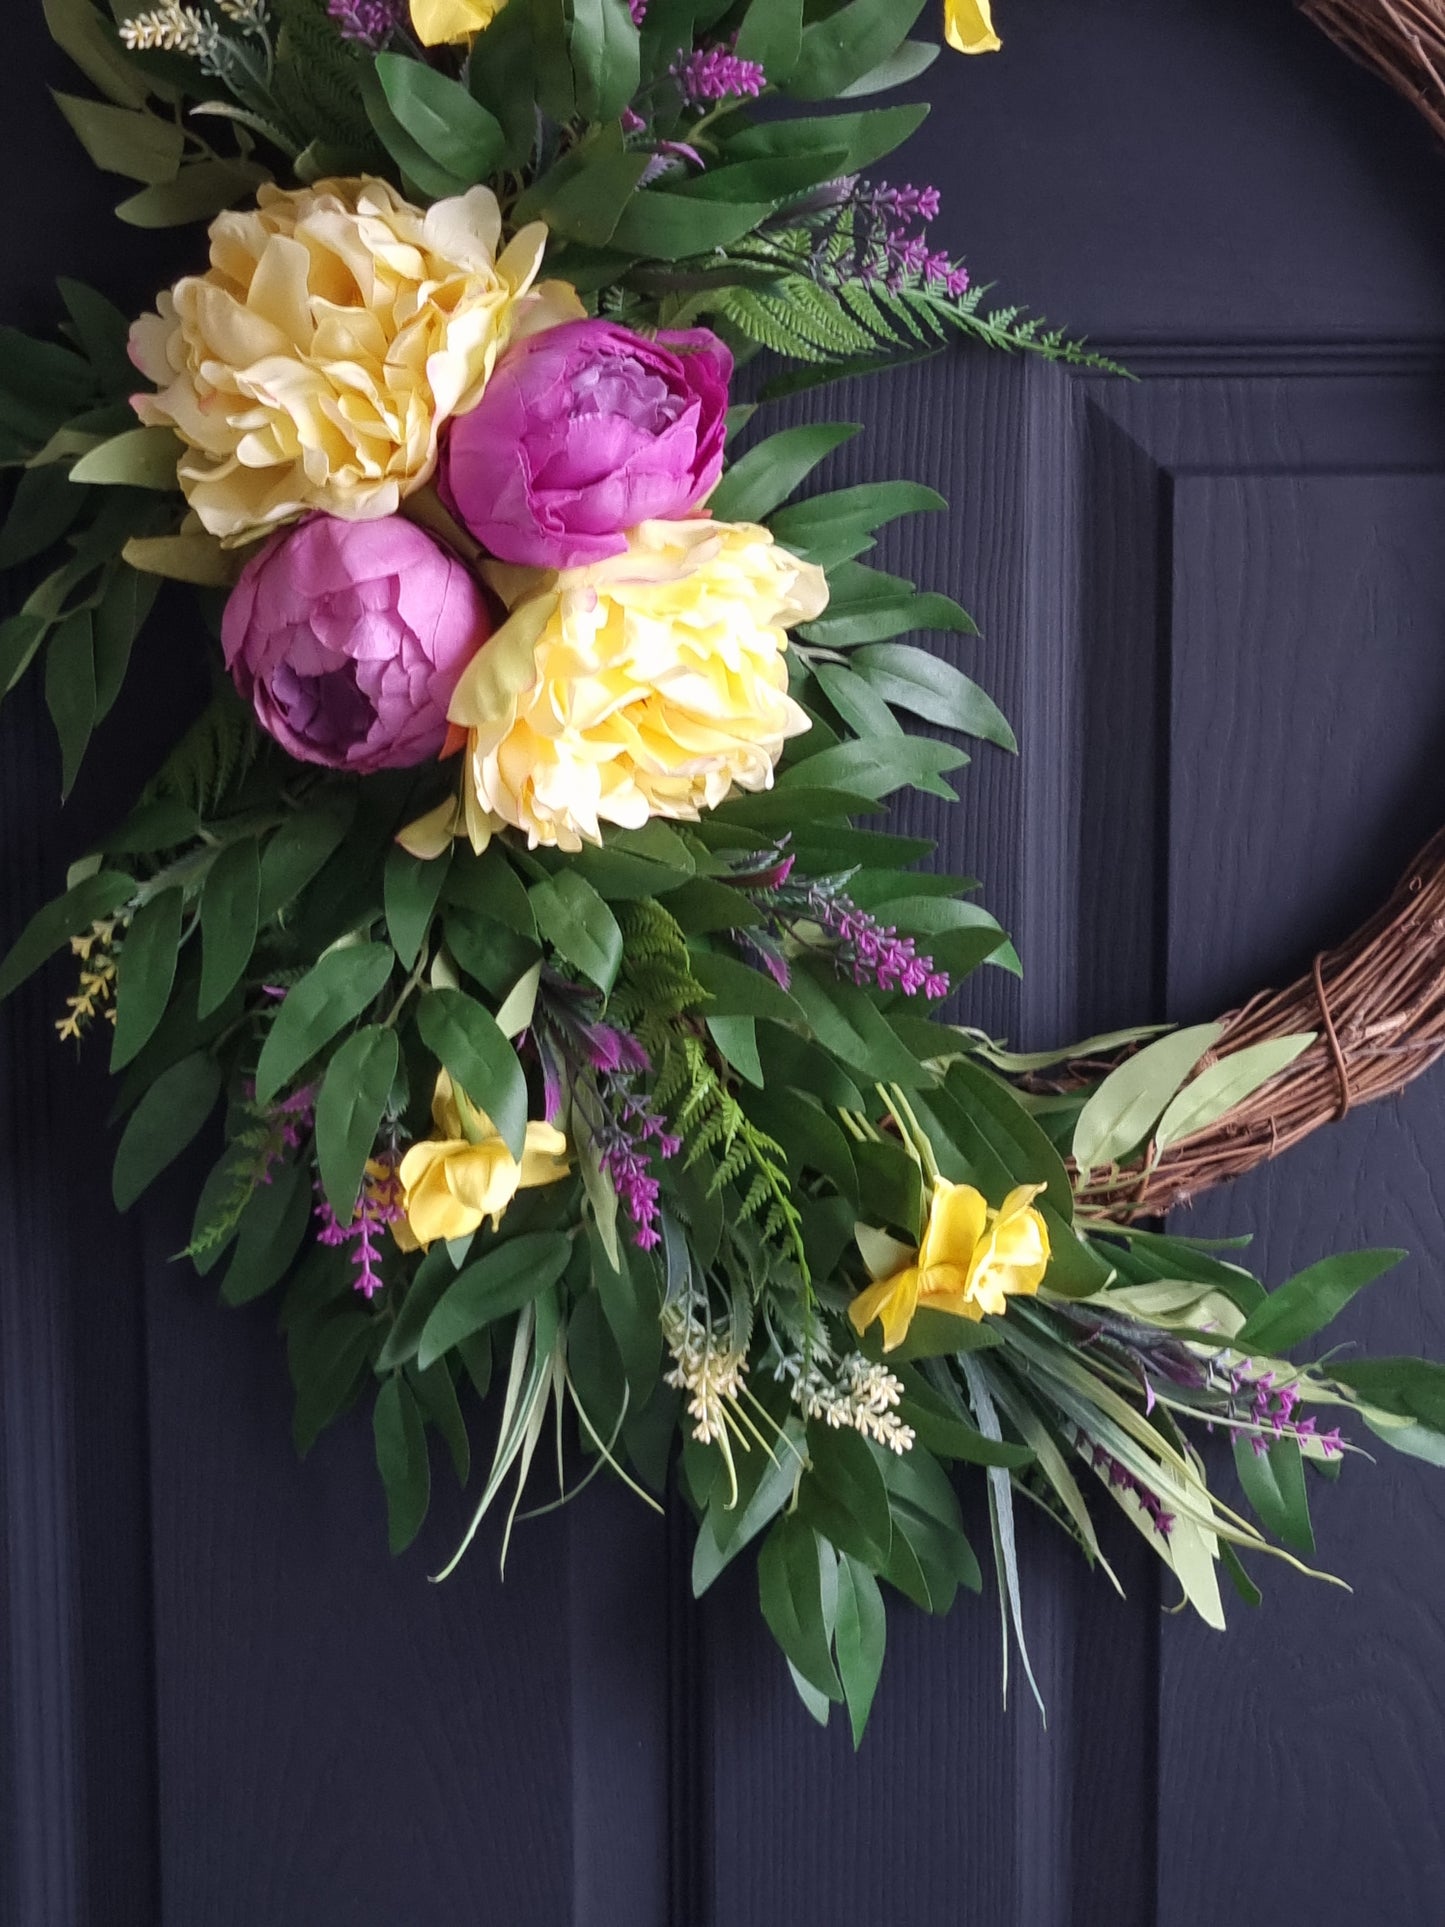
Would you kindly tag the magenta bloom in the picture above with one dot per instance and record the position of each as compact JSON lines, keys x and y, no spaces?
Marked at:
{"x":348,"y":639}
{"x":583,"y":432}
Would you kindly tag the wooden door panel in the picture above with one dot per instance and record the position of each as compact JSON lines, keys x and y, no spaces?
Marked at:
{"x":229,"y":1705}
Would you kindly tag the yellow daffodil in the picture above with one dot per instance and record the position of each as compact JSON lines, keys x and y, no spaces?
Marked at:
{"x":971,"y":1261}
{"x":968,"y":25}
{"x":439,"y":21}
{"x":452,"y":1182}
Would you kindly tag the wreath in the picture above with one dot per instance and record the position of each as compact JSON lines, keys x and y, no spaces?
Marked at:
{"x":516,"y":917}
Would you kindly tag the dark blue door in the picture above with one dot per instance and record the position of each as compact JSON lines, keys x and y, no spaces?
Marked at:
{"x":1213,"y":603}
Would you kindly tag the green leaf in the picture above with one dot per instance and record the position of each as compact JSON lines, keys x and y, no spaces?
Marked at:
{"x":579,"y":926}
{"x":632,"y":1306}
{"x":763,"y":479}
{"x":864,"y":137}
{"x":273,"y":1225}
{"x":737,"y":1041}
{"x":42,"y":508}
{"x":1409,"y":1387}
{"x":790,"y":1590}
{"x":910,"y":60}
{"x":1274,"y":1484}
{"x":765,"y":1486}
{"x":442,"y":117}
{"x":927,"y":686}
{"x":605,"y":52}
{"x":850,"y":43}
{"x":349,"y":1111}
{"x":1121,"y":1112}
{"x":467,"y":1039}
{"x":140,"y":458}
{"x":402,"y":1460}
{"x":200,"y":191}
{"x":412,"y":886}
{"x":1309,"y":1301}
{"x":1222,"y":1085}
{"x":944,"y":1430}
{"x":507,"y":1278}
{"x":93,"y":44}
{"x":295,"y":853}
{"x":92,"y":899}
{"x":829,"y":529}
{"x":737,"y":990}
{"x":664,"y":226}
{"x":163,"y":1124}
{"x":860,"y":1635}
{"x":70,"y":691}
{"x":332,"y":994}
{"x":842,"y":1494}
{"x":1022,"y":1147}
{"x":877,"y":768}
{"x":772,"y":35}
{"x":845,"y":1021}
{"x":125,"y":140}
{"x":431,"y":1278}
{"x":328,"y":1356}
{"x":124,"y":607}
{"x":230,"y":909}
{"x":146,"y":969}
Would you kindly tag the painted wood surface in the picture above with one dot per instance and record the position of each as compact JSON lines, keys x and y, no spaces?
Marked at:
{"x":1213,"y":603}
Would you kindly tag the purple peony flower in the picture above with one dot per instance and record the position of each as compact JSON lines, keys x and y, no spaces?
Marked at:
{"x":348,"y":639}
{"x":583,"y":432}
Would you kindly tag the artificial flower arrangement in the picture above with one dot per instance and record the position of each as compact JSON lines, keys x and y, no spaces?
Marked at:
{"x":578,"y":1054}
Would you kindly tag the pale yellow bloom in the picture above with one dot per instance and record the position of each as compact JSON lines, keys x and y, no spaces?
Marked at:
{"x":651,"y":684}
{"x":968,"y":25}
{"x":971,"y":1261}
{"x":336,"y":330}
{"x":465,"y":1175}
{"x":439,"y":21}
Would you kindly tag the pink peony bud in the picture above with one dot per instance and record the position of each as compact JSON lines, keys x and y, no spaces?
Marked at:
{"x":348,"y":639}
{"x":583,"y":432}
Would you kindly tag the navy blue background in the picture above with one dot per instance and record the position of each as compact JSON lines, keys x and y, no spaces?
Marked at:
{"x":1213,"y":603}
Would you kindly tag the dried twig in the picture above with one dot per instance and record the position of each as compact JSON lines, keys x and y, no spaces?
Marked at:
{"x":1378,"y":1006}
{"x":1403,"y":40}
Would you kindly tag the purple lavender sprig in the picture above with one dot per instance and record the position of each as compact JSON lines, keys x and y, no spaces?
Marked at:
{"x":598,"y":1066}
{"x":379,"y":1206}
{"x":872,"y":953}
{"x":1272,"y":1406}
{"x":1122,"y":1480}
{"x":367,"y":23}
{"x":707,"y":75}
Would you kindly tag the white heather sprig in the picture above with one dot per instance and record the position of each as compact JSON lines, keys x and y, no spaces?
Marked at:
{"x":708,"y":1368}
{"x":862,"y":1398}
{"x":172,"y":28}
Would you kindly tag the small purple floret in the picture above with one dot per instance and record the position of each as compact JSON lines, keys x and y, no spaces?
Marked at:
{"x":379,"y":1205}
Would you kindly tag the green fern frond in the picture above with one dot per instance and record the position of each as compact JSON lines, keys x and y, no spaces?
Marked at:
{"x":212,"y":757}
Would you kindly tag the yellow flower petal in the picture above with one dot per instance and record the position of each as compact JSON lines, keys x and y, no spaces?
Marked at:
{"x":894,"y":1300}
{"x":439,"y":21}
{"x":651,"y":684}
{"x":455,"y":1182}
{"x":968,"y":25}
{"x":337,"y":329}
{"x":956,"y":1220}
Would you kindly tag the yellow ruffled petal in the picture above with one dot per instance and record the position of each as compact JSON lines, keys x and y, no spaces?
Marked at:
{"x":483,"y":1179}
{"x":432,"y":1209}
{"x":432,"y":835}
{"x":968,"y":26}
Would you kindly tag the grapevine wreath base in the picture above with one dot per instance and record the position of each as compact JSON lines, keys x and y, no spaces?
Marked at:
{"x":520,"y":919}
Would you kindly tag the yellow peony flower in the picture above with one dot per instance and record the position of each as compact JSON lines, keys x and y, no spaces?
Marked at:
{"x":968,"y":25}
{"x":338,"y":327}
{"x":452,"y":1182}
{"x":439,"y":21}
{"x":650,"y":684}
{"x":971,"y":1261}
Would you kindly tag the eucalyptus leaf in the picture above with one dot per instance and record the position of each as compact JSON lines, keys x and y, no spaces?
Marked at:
{"x":1224,"y":1084}
{"x":1132,"y":1098}
{"x":332,"y":994}
{"x":349,"y":1110}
